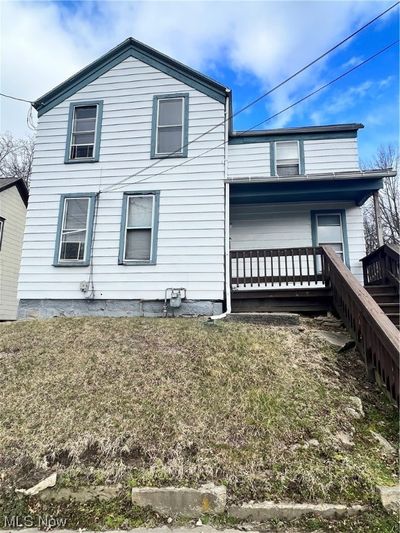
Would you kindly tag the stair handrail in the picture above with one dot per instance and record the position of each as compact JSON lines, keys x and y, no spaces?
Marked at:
{"x":375,"y":335}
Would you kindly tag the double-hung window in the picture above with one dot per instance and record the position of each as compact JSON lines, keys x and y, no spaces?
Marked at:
{"x":170,"y":126}
{"x":139,"y":228}
{"x":2,"y":221}
{"x":287,"y":158}
{"x":84,"y":128}
{"x":74,"y":234}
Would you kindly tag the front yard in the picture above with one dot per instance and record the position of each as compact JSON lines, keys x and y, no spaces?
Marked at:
{"x":181,"y":402}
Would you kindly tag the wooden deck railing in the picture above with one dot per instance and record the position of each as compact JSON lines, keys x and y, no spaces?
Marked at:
{"x":382,"y":266}
{"x":376,"y":336}
{"x":283,"y":267}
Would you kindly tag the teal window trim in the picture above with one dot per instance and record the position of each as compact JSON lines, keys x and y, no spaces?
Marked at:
{"x":99,"y":120}
{"x":154,"y":232}
{"x":185,"y":126}
{"x":314,"y":229}
{"x":89,"y":231}
{"x":272,"y":156}
{"x":302,"y":165}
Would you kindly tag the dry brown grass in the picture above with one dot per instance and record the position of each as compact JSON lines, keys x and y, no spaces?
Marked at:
{"x":151,"y":401}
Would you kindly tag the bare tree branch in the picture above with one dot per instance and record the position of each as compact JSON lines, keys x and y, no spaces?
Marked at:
{"x":16,"y":156}
{"x":386,"y":158}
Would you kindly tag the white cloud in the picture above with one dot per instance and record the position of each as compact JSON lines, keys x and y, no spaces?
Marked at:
{"x":43,"y":43}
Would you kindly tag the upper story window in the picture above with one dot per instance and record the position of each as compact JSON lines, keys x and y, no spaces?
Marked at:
{"x":170,"y":126}
{"x":74,"y":233}
{"x":139,"y":228}
{"x":84,"y":130}
{"x":2,"y":220}
{"x":287,"y":158}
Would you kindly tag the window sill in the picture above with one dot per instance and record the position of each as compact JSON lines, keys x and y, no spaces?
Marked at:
{"x":168,"y":156}
{"x":88,"y":160}
{"x":72,"y":264}
{"x":136,"y":263}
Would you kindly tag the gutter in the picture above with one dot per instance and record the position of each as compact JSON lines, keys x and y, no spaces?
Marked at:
{"x":331,"y":176}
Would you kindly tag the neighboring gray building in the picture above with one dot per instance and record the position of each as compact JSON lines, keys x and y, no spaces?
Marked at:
{"x":13,"y":203}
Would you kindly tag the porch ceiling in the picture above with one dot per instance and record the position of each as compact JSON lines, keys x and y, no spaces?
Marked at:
{"x":356,"y":190}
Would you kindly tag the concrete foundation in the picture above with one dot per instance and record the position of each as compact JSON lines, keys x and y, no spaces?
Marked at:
{"x":46,"y":308}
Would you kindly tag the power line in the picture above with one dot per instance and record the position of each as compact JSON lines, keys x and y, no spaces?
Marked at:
{"x":15,"y":98}
{"x":317,"y":59}
{"x":270,"y":91}
{"x":118,"y":184}
{"x":326,"y":85}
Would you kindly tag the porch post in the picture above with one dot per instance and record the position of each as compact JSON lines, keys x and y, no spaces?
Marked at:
{"x":378,"y":219}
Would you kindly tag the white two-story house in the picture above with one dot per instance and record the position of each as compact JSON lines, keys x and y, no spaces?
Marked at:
{"x":144,"y":198}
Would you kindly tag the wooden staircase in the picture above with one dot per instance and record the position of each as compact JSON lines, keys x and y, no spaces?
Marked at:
{"x":313,"y":279}
{"x":387,"y":297}
{"x":382,"y":278}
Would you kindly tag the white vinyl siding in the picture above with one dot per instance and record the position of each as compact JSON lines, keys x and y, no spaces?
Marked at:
{"x":320,"y":156}
{"x":246,"y":160}
{"x":13,"y":210}
{"x":331,"y":155}
{"x":190,"y":250}
{"x":289,"y":225}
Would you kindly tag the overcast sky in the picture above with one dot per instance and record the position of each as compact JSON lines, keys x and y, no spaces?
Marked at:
{"x":248,"y":46}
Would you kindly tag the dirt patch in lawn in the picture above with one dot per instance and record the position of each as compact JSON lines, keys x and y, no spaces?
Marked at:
{"x":175,"y":401}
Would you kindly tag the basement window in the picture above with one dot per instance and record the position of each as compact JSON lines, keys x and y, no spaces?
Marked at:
{"x":84,"y":128}
{"x":287,"y":159}
{"x":139,"y":228}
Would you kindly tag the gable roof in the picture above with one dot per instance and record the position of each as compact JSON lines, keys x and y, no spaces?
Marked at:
{"x":131,"y":48}
{"x":6,"y":183}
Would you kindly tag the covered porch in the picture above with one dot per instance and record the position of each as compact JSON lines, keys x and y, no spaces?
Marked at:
{"x":277,"y":228}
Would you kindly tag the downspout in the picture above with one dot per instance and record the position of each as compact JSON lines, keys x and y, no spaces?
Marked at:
{"x":227,"y":221}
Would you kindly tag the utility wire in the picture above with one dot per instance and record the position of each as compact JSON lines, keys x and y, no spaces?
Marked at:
{"x":117,"y":185}
{"x":316,"y":60}
{"x":15,"y":98}
{"x":270,"y":91}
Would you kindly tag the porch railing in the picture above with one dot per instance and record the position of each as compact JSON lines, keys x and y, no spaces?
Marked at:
{"x":382,"y":266}
{"x":375,"y":335}
{"x":283,"y":267}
